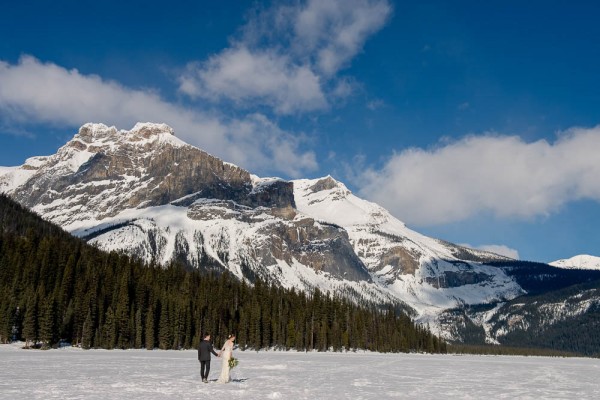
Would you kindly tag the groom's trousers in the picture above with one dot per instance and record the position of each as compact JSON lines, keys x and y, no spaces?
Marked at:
{"x":204,"y":369}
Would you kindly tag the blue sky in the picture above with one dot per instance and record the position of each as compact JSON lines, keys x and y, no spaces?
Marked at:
{"x":474,"y":122}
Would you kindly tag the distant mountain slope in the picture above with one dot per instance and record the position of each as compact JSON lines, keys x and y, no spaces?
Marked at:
{"x":566,"y":319}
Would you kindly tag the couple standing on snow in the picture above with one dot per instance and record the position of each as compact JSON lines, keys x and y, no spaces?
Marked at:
{"x":226,"y":353}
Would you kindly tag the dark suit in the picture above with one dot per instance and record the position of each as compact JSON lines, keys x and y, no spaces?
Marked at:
{"x":204,"y":351}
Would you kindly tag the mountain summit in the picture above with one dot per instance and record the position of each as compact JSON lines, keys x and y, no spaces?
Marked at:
{"x":582,"y":261}
{"x":102,"y":171}
{"x":149,"y":194}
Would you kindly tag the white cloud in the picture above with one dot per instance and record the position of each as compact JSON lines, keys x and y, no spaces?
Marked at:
{"x":247,"y":77}
{"x":288,"y":55}
{"x":36,"y":92}
{"x":336,"y":30}
{"x":279,"y":147}
{"x":497,"y":249}
{"x":502,"y":175}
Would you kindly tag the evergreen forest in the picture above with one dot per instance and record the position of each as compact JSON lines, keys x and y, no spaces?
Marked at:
{"x":55,"y":288}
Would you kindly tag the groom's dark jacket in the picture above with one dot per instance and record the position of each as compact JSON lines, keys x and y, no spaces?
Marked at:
{"x":204,"y":351}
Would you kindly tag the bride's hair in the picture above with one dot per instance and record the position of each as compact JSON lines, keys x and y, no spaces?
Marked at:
{"x":230,"y":336}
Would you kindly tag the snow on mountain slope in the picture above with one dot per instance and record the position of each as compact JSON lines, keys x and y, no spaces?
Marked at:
{"x":423,"y":272}
{"x":213,"y":235}
{"x":581,"y":261}
{"x":13,"y":177}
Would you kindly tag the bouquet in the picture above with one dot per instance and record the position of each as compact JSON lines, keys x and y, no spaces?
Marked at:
{"x":233,"y":362}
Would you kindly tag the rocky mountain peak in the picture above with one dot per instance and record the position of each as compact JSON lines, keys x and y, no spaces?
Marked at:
{"x":96,"y":135}
{"x":91,"y":132}
{"x":323,"y":188}
{"x":103,"y":171}
{"x":326,"y":183}
{"x":148,"y":129}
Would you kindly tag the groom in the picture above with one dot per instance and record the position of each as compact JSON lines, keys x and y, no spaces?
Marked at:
{"x":204,"y":351}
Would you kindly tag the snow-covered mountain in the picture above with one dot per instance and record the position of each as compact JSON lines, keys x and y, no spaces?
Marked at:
{"x":149,"y":194}
{"x":428,"y":274}
{"x":582,"y":261}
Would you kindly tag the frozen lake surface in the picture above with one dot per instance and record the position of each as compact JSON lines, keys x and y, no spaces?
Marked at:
{"x":72,"y":373}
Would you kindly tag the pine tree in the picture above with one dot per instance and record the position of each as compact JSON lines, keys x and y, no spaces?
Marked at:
{"x":87,"y":333}
{"x":255,"y":325}
{"x":291,"y":334}
{"x":49,"y":327}
{"x":139,"y":333}
{"x":4,"y":322}
{"x":150,"y":339}
{"x":109,"y":335}
{"x":122,"y":314}
{"x":30,"y":322}
{"x":165,"y":337}
{"x":66,"y":288}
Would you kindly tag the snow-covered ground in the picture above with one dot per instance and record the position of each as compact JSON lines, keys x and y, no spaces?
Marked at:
{"x":139,"y":374}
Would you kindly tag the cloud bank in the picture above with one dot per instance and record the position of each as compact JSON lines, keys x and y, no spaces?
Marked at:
{"x":36,"y":92}
{"x":498,"y":249}
{"x":501,"y":175}
{"x":287,"y":56}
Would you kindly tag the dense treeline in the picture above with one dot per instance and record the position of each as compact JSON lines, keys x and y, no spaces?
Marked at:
{"x":496,"y":350}
{"x":55,"y":287}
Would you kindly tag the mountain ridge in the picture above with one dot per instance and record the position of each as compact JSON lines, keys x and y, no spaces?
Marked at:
{"x":149,"y":194}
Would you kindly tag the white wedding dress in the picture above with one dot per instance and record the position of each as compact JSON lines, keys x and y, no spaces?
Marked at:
{"x":226,"y":356}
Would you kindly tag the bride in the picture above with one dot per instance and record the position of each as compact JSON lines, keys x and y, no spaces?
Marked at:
{"x":226,"y":353}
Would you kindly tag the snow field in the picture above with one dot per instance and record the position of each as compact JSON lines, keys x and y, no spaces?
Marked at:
{"x":140,"y":374}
